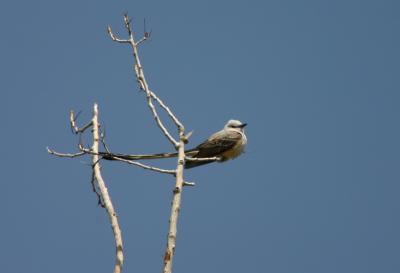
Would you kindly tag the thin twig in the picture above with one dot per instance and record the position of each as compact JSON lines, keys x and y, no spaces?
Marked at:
{"x":144,"y":166}
{"x":102,"y":139}
{"x":215,"y":158}
{"x":166,"y":108}
{"x":75,"y":128}
{"x":187,"y":183}
{"x":158,"y":120}
{"x":52,"y":152}
{"x":114,"y":38}
{"x":144,"y":38}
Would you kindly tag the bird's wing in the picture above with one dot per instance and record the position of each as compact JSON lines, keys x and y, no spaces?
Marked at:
{"x":218,"y":143}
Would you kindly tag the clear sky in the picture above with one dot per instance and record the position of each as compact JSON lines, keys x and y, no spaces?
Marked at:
{"x":317,"y":190}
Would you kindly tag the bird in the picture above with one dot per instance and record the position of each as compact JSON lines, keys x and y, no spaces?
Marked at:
{"x":226,"y":144}
{"x":221,"y":146}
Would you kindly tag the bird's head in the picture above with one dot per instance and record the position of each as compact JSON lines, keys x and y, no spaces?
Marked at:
{"x":235,"y":124}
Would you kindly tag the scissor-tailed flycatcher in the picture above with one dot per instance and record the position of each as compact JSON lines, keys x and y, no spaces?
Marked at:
{"x":223,"y":145}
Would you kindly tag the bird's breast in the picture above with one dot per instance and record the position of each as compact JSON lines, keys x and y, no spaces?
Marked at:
{"x":236,"y":150}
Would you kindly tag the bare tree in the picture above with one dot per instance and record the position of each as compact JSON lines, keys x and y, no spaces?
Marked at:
{"x":178,"y":143}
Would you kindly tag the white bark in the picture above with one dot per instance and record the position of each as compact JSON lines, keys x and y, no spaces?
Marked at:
{"x":119,"y":260}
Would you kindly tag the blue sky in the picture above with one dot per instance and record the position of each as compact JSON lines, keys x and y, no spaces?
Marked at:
{"x":317,"y":82}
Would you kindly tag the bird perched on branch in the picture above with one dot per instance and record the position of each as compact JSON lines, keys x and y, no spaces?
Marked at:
{"x":221,"y":146}
{"x":225,"y":144}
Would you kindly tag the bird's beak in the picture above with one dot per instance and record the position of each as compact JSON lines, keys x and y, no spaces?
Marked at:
{"x":243,"y":125}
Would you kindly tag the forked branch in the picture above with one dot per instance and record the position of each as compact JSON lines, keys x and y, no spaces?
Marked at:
{"x":179,"y":145}
{"x":97,"y":180}
{"x":141,"y":79}
{"x":98,"y":184}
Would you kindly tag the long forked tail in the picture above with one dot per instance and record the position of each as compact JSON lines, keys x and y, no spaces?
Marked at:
{"x":188,"y":164}
{"x":111,"y":156}
{"x":192,"y":164}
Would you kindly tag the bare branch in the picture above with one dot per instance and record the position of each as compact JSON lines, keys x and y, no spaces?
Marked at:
{"x":144,"y":38}
{"x":180,"y":146}
{"x":75,"y":128}
{"x":215,"y":158}
{"x":175,"y":207}
{"x":166,"y":108}
{"x":114,"y":38}
{"x":127,"y":22}
{"x":52,"y":152}
{"x":143,"y":83}
{"x":159,"y":122}
{"x":102,"y":139}
{"x":104,"y":193}
{"x":144,"y":166}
